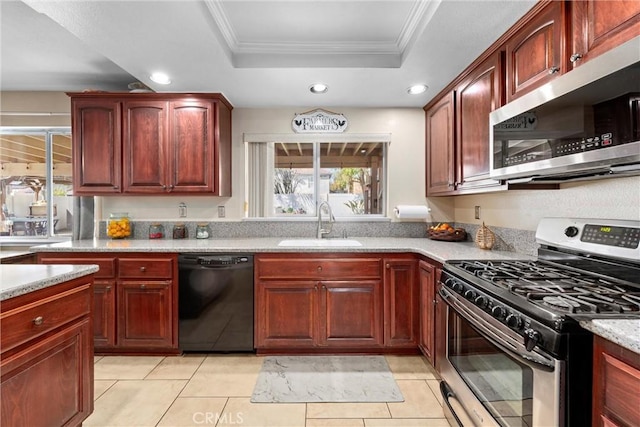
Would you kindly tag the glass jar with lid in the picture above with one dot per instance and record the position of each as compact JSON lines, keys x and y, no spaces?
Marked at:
{"x":156,"y":231}
{"x":203,"y":231}
{"x":179,"y":231}
{"x":119,"y":225}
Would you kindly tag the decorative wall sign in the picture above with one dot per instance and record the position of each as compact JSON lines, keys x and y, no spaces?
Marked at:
{"x":319,"y":121}
{"x":524,"y":121}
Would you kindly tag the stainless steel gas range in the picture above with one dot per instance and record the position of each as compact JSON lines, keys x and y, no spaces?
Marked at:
{"x":515,"y":353}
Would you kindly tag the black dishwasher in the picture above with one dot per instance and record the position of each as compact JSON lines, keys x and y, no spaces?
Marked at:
{"x":215,"y":302}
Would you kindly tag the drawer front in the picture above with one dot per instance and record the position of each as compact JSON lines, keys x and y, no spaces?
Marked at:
{"x":320,"y":268}
{"x":146,"y":268}
{"x":26,"y":322}
{"x":107,"y":265}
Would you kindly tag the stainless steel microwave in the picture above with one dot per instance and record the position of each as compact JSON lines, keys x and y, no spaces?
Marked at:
{"x":584,"y":124}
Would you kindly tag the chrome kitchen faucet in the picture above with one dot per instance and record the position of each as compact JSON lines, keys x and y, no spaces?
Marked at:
{"x":332,"y":219}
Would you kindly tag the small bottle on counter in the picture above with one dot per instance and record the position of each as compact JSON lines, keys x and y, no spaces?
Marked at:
{"x":156,"y":231}
{"x":203,"y":231}
{"x":179,"y":231}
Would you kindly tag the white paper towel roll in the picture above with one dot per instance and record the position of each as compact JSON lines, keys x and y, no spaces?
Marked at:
{"x":411,"y":212}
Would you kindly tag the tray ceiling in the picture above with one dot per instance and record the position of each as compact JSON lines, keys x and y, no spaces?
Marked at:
{"x":261,"y":53}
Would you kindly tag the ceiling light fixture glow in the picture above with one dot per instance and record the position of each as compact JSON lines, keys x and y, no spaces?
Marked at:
{"x":318,"y":88}
{"x":160,"y":78}
{"x":417,"y":89}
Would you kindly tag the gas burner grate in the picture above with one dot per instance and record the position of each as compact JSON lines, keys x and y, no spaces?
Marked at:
{"x":578,"y":302}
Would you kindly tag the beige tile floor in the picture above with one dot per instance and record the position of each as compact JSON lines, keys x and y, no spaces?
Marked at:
{"x":215,"y":390}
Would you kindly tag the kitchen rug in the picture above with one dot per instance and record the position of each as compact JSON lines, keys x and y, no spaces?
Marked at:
{"x":288,"y":379}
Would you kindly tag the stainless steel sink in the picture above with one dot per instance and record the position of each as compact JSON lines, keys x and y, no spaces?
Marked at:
{"x":320,"y":243}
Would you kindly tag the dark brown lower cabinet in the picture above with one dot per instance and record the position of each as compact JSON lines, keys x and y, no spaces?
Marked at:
{"x":401,"y":305}
{"x":47,"y":365}
{"x":312,"y":314}
{"x":336,"y":302}
{"x":616,"y":385}
{"x":144,"y":314}
{"x":427,"y":274}
{"x":135,"y":300}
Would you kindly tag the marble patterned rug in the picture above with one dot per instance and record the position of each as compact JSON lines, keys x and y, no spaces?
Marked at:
{"x":288,"y":379}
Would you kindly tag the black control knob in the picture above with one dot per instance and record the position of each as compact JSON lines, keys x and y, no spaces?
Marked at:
{"x":481,"y":301}
{"x":457,"y":286}
{"x":571,"y":231}
{"x":531,"y":338}
{"x":470,"y":295}
{"x":514,"y":321}
{"x":497,"y":312}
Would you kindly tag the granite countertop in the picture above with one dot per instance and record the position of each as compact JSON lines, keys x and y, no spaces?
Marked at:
{"x":436,"y":250}
{"x":24,"y":278}
{"x":13,"y":254}
{"x":624,"y":332}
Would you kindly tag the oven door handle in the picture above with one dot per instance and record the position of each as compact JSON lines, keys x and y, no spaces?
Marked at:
{"x":497,"y":338}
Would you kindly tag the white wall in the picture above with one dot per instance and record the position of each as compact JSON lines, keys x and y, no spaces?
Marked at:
{"x":616,"y":198}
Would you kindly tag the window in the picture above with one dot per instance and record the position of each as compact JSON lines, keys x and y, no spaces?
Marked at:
{"x":36,"y":182}
{"x":289,"y":179}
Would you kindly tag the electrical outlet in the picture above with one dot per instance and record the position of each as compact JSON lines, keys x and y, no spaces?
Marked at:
{"x":221,"y":211}
{"x":182,"y":210}
{"x":477,"y":212}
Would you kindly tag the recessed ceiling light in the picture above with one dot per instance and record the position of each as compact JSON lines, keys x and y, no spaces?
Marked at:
{"x":417,"y":89}
{"x":160,"y":78}
{"x":319,"y":88}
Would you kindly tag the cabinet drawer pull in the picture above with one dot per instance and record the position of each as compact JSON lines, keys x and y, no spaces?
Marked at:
{"x":143,"y":286}
{"x":319,"y":268}
{"x":38,"y":321}
{"x":108,"y":288}
{"x":554,"y":70}
{"x":115,"y":187}
{"x":143,"y":269}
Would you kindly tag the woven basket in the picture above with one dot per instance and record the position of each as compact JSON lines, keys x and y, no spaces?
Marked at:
{"x":485,"y":238}
{"x":457,"y":235}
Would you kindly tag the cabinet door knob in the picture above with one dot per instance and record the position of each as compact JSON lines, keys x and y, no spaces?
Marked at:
{"x":319,"y":268}
{"x":575,"y":57}
{"x":143,"y":286}
{"x":115,"y":187}
{"x":143,"y":269}
{"x":38,"y":321}
{"x":388,"y":265}
{"x":554,"y":70}
{"x":171,"y":187}
{"x":164,"y":187}
{"x":108,"y":288}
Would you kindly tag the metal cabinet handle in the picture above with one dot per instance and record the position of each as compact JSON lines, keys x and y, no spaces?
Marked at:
{"x":388,"y":266}
{"x":108,"y":288}
{"x":115,"y":187}
{"x":575,"y":57}
{"x":38,"y":321}
{"x":319,"y":268}
{"x":554,"y":70}
{"x":164,"y":187}
{"x":171,"y":187}
{"x":143,"y":269}
{"x":143,"y":286}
